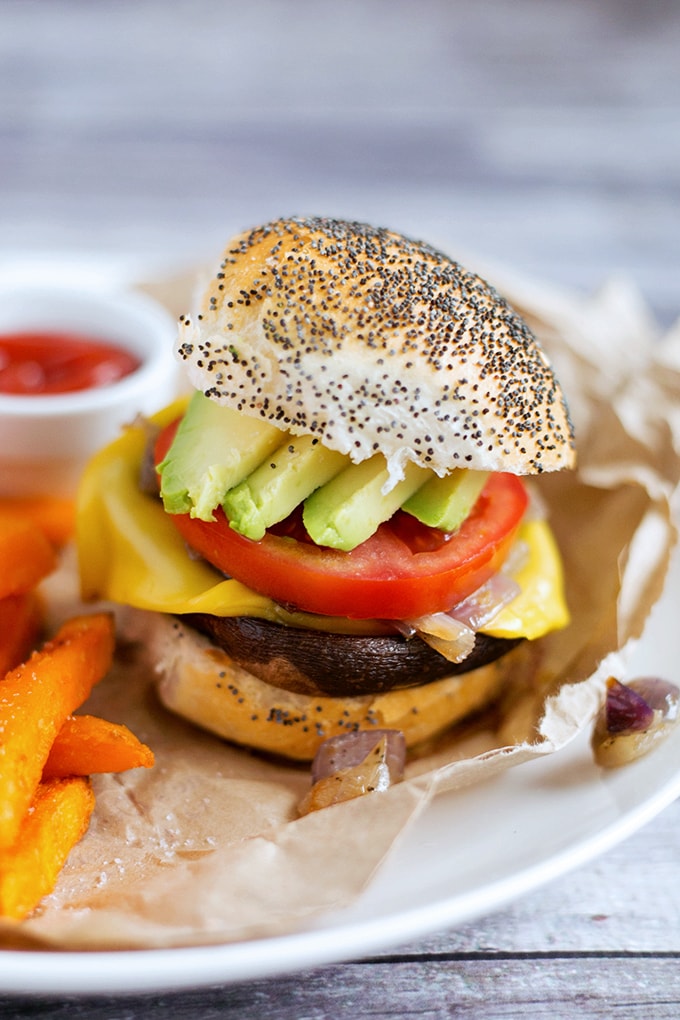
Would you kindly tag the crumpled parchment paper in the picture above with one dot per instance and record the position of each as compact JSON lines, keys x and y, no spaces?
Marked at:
{"x":206,"y":846}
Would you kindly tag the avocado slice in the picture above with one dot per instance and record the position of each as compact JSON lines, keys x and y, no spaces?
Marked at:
{"x":279,"y":484}
{"x":346,"y":511}
{"x":444,"y":503}
{"x":213,"y":450}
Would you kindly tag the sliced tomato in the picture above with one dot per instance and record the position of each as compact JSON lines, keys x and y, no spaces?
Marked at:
{"x":405,"y":570}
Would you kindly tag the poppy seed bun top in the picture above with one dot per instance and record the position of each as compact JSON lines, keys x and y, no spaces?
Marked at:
{"x":371,"y":341}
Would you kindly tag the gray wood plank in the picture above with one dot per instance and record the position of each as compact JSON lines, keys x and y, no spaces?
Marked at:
{"x":553,"y":987}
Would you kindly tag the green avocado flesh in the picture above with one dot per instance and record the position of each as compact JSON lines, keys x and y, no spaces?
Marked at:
{"x":259,"y":475}
{"x":283,"y":481}
{"x":444,"y":503}
{"x":349,"y":509}
{"x":214,"y":449}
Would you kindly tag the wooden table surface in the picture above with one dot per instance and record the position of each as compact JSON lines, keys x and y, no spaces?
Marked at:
{"x":540,"y":134}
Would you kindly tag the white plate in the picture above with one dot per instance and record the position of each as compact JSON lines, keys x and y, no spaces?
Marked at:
{"x":534,"y":823}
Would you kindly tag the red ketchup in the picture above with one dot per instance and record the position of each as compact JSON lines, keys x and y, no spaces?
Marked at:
{"x":44,"y":363}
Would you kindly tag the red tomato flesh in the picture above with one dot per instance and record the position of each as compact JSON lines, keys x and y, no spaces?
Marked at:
{"x":40,"y":364}
{"x":405,"y":570}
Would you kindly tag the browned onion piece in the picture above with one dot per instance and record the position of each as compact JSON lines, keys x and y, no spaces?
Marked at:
{"x":661,"y":695}
{"x":338,"y":665}
{"x":349,"y":749}
{"x":372,"y":761}
{"x":626,"y":711}
{"x":480,"y":608}
{"x":634,"y":719}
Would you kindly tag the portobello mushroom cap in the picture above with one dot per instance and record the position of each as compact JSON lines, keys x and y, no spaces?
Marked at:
{"x":337,"y":665}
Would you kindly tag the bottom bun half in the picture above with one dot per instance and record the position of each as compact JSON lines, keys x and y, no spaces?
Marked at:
{"x":199,"y":681}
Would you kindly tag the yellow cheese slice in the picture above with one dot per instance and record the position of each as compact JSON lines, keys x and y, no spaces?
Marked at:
{"x":541,"y":605}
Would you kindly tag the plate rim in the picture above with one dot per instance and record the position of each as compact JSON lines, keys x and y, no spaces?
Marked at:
{"x":45,"y":971}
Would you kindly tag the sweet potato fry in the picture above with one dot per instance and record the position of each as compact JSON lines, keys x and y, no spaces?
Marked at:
{"x":36,"y":698}
{"x":20,"y":623}
{"x":26,"y":554}
{"x":58,"y":817}
{"x":86,"y":744}
{"x":54,"y":515}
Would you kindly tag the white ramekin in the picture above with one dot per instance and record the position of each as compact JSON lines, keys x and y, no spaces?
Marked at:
{"x":46,"y":440}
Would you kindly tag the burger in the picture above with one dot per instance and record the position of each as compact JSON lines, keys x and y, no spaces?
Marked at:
{"x":335,"y":529}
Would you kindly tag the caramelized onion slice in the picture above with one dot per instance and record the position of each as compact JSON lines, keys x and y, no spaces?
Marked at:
{"x":449,"y":637}
{"x":634,"y":719}
{"x":484,"y":605}
{"x":354,"y":764}
{"x":350,"y":749}
{"x":661,"y":695}
{"x":454,"y":634}
{"x":626,"y":711}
